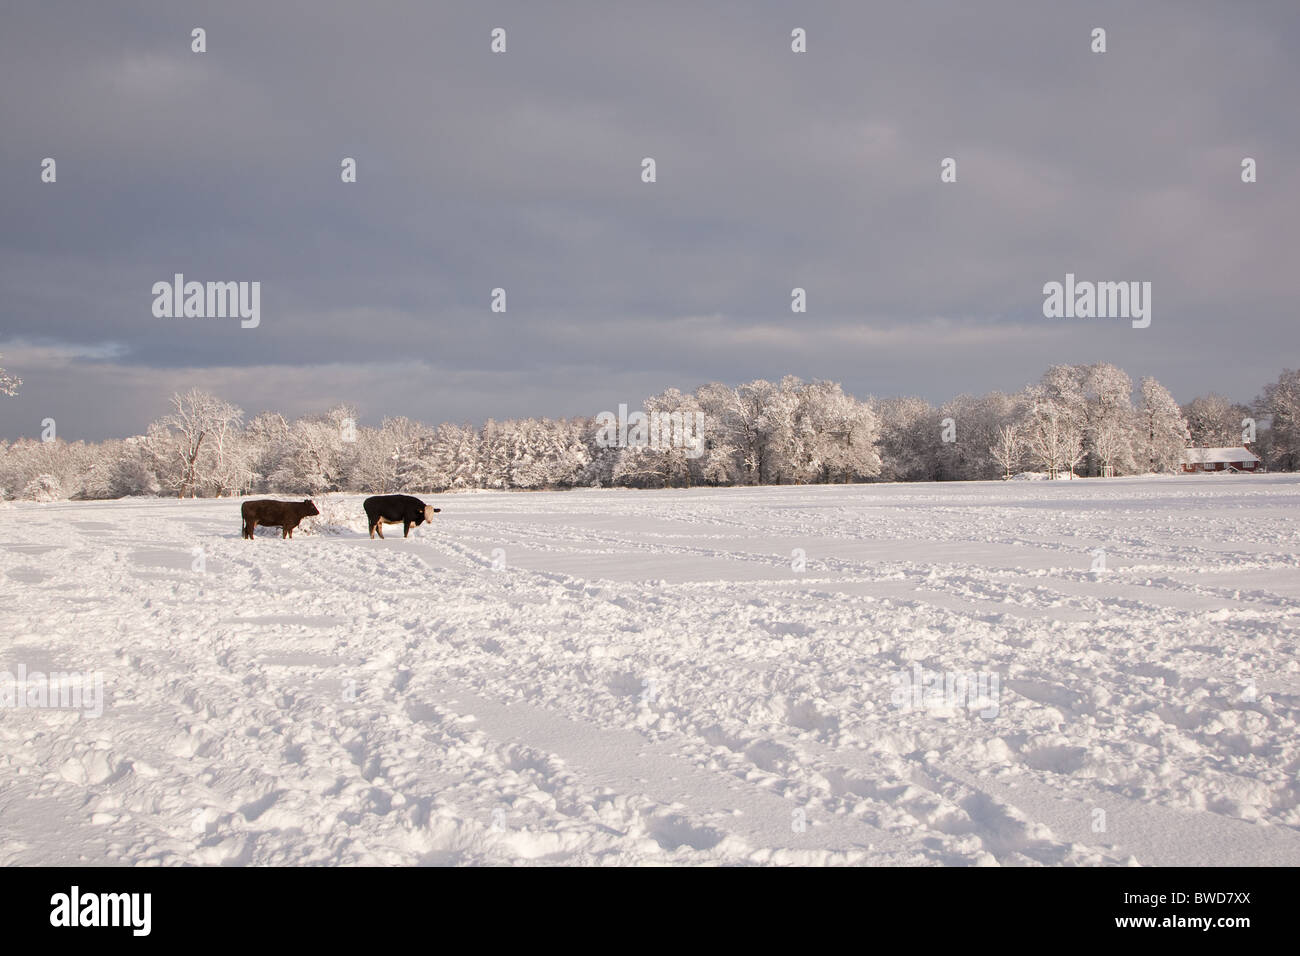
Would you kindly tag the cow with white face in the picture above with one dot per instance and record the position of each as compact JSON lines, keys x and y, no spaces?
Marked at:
{"x":397,"y":509}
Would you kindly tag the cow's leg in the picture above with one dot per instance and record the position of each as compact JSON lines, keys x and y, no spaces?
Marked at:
{"x":379,"y":526}
{"x":284,"y":532}
{"x":252,"y":526}
{"x":406,"y":529}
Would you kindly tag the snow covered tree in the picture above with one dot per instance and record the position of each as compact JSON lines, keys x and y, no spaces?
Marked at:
{"x":526,"y":446}
{"x":1162,"y":429}
{"x":19,"y":466}
{"x":842,"y":433}
{"x":909,"y":439}
{"x":573,"y":453}
{"x":1214,"y":421}
{"x":1281,"y":403}
{"x":676,"y":443}
{"x":1110,"y":427}
{"x":454,"y":459}
{"x":497,"y":439}
{"x":1065,"y":389}
{"x":66,"y":470}
{"x":1112,"y":444}
{"x":266,"y":442}
{"x":1054,"y":436}
{"x":196,"y":441}
{"x":737,"y":422}
{"x":320,"y":454}
{"x":1090,"y":404}
{"x":598,"y":472}
{"x":91,"y":466}
{"x":44,"y":487}
{"x":975,"y":424}
{"x":765,"y":433}
{"x":786,"y":439}
{"x":392,"y":458}
{"x":960,"y":450}
{"x":131,"y":472}
{"x":1008,"y":448}
{"x":232,"y":471}
{"x":728,"y":435}
{"x":8,"y":383}
{"x":1078,"y":417}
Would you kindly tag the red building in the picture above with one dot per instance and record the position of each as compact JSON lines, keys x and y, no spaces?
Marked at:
{"x":1219,"y":459}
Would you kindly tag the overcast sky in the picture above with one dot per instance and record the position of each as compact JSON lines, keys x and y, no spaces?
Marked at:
{"x":522,"y":170}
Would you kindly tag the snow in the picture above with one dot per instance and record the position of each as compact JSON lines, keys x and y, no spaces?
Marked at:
{"x":643,"y":677}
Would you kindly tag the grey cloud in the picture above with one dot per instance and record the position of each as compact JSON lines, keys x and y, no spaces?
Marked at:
{"x":522,"y":171}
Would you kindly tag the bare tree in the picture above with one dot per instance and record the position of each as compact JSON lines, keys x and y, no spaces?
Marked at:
{"x":1054,"y":437}
{"x":1008,"y":448}
{"x":1112,"y":443}
{"x":198,"y":437}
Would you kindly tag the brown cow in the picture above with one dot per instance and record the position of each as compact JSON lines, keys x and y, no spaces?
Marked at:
{"x":268,"y":511}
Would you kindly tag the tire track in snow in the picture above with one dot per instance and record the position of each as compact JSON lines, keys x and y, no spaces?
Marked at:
{"x":700,"y":808}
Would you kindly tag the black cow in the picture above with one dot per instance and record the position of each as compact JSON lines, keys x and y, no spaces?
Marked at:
{"x":392,"y":509}
{"x":268,"y":511}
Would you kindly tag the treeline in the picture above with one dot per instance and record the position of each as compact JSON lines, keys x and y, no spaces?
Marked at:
{"x":1081,"y":420}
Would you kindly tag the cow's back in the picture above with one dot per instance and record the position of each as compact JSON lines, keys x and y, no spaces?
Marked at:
{"x":270,"y":512}
{"x":391,"y":504}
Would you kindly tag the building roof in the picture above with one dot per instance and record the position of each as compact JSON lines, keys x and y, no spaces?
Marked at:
{"x":1210,"y":456}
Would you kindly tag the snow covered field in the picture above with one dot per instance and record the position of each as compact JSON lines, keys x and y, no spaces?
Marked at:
{"x":645,"y":677}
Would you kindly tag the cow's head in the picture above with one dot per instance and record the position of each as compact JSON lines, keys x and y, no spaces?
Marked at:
{"x":311,"y":508}
{"x":430,"y":511}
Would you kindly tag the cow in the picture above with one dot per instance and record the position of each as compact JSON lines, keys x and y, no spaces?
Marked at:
{"x":392,"y":509}
{"x":268,"y":511}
